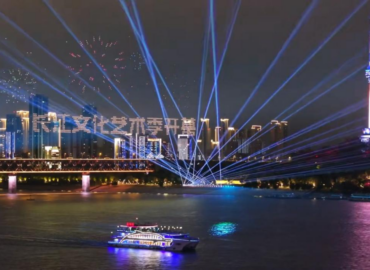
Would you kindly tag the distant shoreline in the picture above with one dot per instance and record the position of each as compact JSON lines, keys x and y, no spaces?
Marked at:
{"x":143,"y":189}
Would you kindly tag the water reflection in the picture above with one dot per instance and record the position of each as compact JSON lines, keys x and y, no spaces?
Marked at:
{"x":223,"y":228}
{"x":356,"y":254}
{"x":156,"y":259}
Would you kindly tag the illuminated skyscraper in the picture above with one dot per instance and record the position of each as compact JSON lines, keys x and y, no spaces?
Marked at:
{"x":89,"y":141}
{"x":198,"y":146}
{"x":242,"y":143}
{"x":131,"y":147}
{"x":192,"y":146}
{"x":53,"y":137}
{"x":167,"y":150}
{"x":206,"y":138}
{"x":183,"y":146}
{"x":284,"y":133}
{"x":10,"y":145}
{"x":366,"y":132}
{"x":154,"y":146}
{"x":119,"y":148}
{"x":278,"y":132}
{"x":232,"y":144}
{"x":275,"y":132}
{"x":2,"y":137}
{"x":216,"y":143}
{"x":224,"y":122}
{"x":24,"y":115}
{"x":68,"y":138}
{"x":140,"y":146}
{"x":13,"y":136}
{"x":38,"y":105}
{"x":255,"y":144}
{"x":367,"y":75}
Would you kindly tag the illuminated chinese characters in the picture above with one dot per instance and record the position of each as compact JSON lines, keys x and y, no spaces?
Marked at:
{"x":116,"y":125}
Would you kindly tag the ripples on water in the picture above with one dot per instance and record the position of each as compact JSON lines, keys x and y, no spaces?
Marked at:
{"x":237,"y":231}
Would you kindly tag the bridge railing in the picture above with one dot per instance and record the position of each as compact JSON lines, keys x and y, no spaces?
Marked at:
{"x":74,"y":165}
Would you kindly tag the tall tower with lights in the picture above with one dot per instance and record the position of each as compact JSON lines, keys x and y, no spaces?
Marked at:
{"x":365,"y":138}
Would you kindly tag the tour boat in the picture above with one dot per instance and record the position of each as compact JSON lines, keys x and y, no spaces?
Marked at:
{"x":152,"y":236}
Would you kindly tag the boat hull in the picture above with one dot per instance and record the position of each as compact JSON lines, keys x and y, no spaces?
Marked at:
{"x":177,"y":246}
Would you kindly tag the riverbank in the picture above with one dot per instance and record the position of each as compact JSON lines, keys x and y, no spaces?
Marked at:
{"x":30,"y":190}
{"x":147,"y":189}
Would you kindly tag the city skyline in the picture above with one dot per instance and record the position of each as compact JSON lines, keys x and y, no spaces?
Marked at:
{"x":233,"y":86}
{"x":27,"y":134}
{"x":98,"y":87}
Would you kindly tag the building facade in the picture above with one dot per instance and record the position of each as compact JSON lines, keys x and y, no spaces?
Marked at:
{"x":255,"y":144}
{"x":13,"y":136}
{"x":183,"y":146}
{"x":38,"y":105}
{"x":2,"y":137}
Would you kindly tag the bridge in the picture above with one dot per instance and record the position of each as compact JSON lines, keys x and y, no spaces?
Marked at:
{"x":12,"y":167}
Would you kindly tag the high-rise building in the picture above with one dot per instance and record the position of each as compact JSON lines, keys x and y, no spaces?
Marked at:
{"x":124,"y":147}
{"x":275,"y":132}
{"x":2,"y":137}
{"x":119,"y":148}
{"x":216,"y":143}
{"x":68,"y":138}
{"x":24,"y":115}
{"x":53,"y":137}
{"x":140,"y":145}
{"x":183,"y":146}
{"x":154,"y":146}
{"x":89,"y":141}
{"x":224,"y":134}
{"x":13,"y":136}
{"x":232,"y":143}
{"x":278,"y":132}
{"x":284,"y":133}
{"x":38,"y":105}
{"x":206,"y":145}
{"x":105,"y":147}
{"x":167,"y":150}
{"x":191,"y":147}
{"x":10,"y":145}
{"x":224,"y":125}
{"x":255,"y":144}
{"x":365,"y":138}
{"x":242,"y":143}
{"x":131,"y":146}
{"x":198,"y":149}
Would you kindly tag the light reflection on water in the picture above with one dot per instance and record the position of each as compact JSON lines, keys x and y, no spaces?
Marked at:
{"x":223,"y":228}
{"x":156,"y":259}
{"x":359,"y":224}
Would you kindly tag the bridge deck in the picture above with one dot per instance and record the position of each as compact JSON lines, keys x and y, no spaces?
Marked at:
{"x":82,"y":172}
{"x":75,"y":159}
{"x":34,"y":166}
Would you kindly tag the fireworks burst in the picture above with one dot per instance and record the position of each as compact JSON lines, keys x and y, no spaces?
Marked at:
{"x":109,"y":58}
{"x":16,"y":85}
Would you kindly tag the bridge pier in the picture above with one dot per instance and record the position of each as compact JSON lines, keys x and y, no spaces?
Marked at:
{"x":85,"y":182}
{"x":12,"y":184}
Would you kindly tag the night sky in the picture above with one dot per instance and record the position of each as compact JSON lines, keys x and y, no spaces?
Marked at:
{"x":174,"y":32}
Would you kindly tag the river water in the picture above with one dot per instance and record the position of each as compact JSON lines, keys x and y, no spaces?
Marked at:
{"x":237,"y":231}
